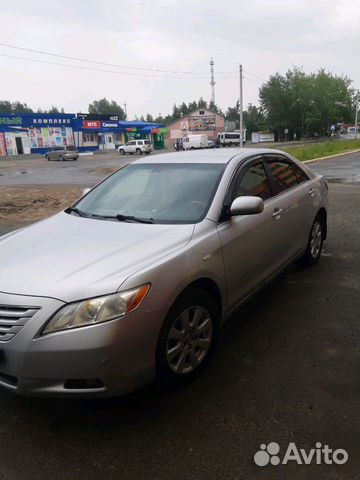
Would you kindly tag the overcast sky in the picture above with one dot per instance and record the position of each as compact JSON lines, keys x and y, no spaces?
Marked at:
{"x":176,"y":35}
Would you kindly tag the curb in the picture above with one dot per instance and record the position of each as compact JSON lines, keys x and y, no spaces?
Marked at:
{"x":330,"y":156}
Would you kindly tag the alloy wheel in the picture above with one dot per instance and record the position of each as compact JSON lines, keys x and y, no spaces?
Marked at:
{"x":189,"y":339}
{"x":315,"y":239}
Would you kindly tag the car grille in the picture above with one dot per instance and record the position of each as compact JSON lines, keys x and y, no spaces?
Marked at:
{"x":13,"y":318}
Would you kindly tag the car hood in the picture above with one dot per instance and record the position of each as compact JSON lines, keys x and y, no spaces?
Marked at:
{"x":69,"y":257}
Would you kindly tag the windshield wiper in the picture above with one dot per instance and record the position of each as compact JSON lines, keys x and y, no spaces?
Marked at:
{"x":77,"y":211}
{"x":132,"y":218}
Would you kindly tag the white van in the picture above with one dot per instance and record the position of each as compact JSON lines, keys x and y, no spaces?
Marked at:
{"x":231,"y":138}
{"x":195,"y":141}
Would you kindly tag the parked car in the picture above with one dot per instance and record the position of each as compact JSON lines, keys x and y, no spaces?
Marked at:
{"x":136,"y":146}
{"x":62,"y":153}
{"x":230,"y":138}
{"x":134,"y":281}
{"x":191,"y":142}
{"x":211,"y":144}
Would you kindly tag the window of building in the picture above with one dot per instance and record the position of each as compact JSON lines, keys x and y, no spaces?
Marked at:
{"x":201,"y":112}
{"x":89,"y":138}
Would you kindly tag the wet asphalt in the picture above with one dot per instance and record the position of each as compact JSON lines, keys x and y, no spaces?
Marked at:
{"x":287,"y":370}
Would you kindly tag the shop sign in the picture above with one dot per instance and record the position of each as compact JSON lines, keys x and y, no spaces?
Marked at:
{"x":109,"y":125}
{"x":10,"y":121}
{"x":51,"y":121}
{"x":133,"y":129}
{"x":91,"y":124}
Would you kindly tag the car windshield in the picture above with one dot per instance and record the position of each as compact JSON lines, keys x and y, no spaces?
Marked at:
{"x":163,"y":193}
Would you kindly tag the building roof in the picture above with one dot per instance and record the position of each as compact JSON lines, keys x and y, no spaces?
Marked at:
{"x":193,"y":112}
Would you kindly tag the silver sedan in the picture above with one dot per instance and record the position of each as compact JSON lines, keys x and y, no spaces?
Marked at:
{"x":133,"y":282}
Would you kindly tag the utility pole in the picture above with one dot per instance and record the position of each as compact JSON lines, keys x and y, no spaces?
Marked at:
{"x":212,"y":81}
{"x":356,"y":113}
{"x":241,"y":106}
{"x":125,"y":109}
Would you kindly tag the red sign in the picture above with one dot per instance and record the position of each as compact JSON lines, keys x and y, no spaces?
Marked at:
{"x":91,"y":124}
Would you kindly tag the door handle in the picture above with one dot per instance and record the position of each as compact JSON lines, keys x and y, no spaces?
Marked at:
{"x":277,"y":212}
{"x":311,"y":192}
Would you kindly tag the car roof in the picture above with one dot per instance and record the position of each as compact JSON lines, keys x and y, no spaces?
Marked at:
{"x":214,"y":155}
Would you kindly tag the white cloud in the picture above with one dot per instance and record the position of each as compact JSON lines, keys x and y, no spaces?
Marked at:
{"x":266,"y":36}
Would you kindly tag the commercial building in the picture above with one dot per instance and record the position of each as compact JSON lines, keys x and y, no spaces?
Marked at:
{"x":36,"y":133}
{"x":200,"y":121}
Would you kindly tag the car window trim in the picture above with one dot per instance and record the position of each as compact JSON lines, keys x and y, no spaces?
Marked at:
{"x":235,"y":178}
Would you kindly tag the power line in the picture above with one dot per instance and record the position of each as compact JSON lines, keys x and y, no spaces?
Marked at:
{"x":255,"y":76}
{"x":86,"y":60}
{"x":80,"y":67}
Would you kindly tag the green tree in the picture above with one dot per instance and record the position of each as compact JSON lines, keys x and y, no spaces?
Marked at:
{"x":306,"y":104}
{"x":106,"y":107}
{"x":14,"y":107}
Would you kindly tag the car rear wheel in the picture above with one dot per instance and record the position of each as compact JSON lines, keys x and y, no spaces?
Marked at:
{"x":61,"y":158}
{"x":187,"y":339}
{"x":315,"y":243}
{"x":138,"y":151}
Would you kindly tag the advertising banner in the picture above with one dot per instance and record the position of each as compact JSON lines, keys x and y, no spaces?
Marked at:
{"x":2,"y":144}
{"x":46,"y":137}
{"x":10,"y":144}
{"x":202,"y":123}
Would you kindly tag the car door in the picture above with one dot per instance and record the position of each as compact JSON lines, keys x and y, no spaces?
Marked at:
{"x":250,"y":243}
{"x":51,"y":153}
{"x":131,"y":146}
{"x":293,"y":201}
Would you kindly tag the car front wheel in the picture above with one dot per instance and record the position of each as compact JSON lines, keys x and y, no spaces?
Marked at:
{"x":187,"y":339}
{"x":122,"y":152}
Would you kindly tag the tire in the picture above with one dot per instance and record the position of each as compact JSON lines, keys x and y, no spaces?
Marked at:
{"x":182,"y":354}
{"x":315,"y":243}
{"x":121,"y":151}
{"x":61,"y":158}
{"x":138,"y":151}
{"x":47,"y":157}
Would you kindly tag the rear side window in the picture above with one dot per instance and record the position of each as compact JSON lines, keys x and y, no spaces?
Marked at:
{"x":284,"y":175}
{"x":254,"y":182}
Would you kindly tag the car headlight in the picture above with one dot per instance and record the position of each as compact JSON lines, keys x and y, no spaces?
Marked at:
{"x":97,"y":310}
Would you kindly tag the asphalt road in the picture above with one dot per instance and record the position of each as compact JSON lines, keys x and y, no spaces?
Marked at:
{"x":286,"y":371}
{"x":89,"y":170}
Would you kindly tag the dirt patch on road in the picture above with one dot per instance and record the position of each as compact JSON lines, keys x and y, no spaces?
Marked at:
{"x":32,"y":203}
{"x":104,"y":170}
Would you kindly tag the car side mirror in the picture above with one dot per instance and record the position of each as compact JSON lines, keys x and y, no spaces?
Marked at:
{"x":246,"y":206}
{"x":85,"y":191}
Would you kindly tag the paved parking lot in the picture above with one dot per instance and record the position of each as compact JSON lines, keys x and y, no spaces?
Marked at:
{"x":286,"y":371}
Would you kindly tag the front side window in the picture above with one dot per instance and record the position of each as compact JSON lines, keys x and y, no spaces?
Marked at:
{"x":254,"y":182}
{"x":164,"y":193}
{"x":284,"y":175}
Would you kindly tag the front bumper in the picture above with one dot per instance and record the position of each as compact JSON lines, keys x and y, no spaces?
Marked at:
{"x":111,"y":358}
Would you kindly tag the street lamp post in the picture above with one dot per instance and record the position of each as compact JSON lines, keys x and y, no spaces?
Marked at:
{"x":241,"y":106}
{"x":356,"y":113}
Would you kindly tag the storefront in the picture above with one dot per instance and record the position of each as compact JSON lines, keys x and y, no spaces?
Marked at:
{"x":36,"y":133}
